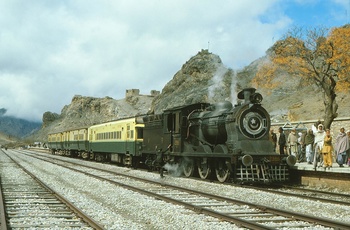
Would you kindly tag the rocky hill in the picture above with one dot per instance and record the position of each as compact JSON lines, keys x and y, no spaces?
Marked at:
{"x":203,"y":78}
{"x":84,"y":111}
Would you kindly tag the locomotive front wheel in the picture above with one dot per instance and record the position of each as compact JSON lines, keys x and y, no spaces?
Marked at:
{"x":188,"y":168}
{"x":222,"y":172}
{"x":204,"y":170}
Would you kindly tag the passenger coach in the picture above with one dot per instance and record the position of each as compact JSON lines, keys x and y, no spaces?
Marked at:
{"x":72,"y":142}
{"x":118,"y":141}
{"x":77,"y":143}
{"x":55,"y":142}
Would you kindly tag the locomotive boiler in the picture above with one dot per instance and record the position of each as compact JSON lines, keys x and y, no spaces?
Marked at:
{"x":222,"y":140}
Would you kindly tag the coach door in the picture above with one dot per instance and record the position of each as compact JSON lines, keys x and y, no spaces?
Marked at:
{"x":91,"y":140}
{"x":61,"y":140}
{"x":129,"y":143}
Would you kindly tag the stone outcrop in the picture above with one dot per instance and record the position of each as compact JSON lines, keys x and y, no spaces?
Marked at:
{"x":203,"y":78}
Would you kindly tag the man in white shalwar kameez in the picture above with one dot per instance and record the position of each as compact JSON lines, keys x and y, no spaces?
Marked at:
{"x":319,"y":139}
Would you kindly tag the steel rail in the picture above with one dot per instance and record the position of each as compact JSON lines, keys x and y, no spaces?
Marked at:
{"x":3,"y":222}
{"x":301,"y":195}
{"x":317,"y":191}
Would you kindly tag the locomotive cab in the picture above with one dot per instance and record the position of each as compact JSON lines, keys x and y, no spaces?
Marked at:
{"x":170,"y":128}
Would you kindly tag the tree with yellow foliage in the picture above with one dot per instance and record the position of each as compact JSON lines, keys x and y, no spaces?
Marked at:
{"x":318,"y":56}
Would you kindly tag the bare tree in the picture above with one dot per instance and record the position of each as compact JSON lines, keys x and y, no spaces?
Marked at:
{"x":319,"y":56}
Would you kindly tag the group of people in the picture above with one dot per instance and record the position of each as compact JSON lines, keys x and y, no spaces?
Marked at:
{"x":315,"y":146}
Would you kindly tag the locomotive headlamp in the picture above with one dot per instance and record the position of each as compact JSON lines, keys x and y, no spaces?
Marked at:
{"x":247,"y":160}
{"x":256,"y":98}
{"x":290,"y":160}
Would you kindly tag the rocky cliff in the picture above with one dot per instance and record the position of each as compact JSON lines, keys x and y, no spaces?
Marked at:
{"x":203,"y":78}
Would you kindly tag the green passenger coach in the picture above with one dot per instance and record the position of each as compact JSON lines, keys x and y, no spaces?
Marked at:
{"x":118,"y":141}
{"x":72,"y":142}
{"x":55,"y":141}
{"x":77,"y":142}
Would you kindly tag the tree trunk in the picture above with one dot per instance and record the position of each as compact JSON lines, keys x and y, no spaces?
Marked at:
{"x":330,"y":104}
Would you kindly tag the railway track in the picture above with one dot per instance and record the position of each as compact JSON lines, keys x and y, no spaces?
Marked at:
{"x":339,"y":198}
{"x":304,"y":193}
{"x":240,"y":213}
{"x":28,"y":203}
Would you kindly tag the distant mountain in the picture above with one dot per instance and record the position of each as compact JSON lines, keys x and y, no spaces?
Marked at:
{"x":16,"y":127}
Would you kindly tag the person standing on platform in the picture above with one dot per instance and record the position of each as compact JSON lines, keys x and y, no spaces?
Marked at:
{"x":309,"y":146}
{"x":273,"y":138}
{"x":319,"y":139}
{"x":301,"y":147}
{"x":281,"y":140}
{"x":293,"y":143}
{"x":327,"y":150}
{"x":341,"y":147}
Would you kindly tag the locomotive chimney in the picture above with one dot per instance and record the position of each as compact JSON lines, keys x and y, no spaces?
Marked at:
{"x":245,"y":94}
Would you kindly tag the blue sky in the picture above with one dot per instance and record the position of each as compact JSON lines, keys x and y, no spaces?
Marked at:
{"x":53,"y":50}
{"x":318,"y":13}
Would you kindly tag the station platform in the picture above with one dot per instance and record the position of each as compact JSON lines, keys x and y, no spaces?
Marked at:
{"x":309,"y":167}
{"x":336,"y":178}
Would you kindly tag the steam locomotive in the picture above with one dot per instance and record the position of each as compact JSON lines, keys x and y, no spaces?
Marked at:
{"x":222,"y":140}
{"x":211,"y":140}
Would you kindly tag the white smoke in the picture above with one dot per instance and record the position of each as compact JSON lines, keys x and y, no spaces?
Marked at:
{"x":176,"y":169}
{"x":234,"y":88}
{"x":216,"y":84}
{"x":173,"y":169}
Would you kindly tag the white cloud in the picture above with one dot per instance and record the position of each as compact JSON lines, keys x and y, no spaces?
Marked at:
{"x":52,"y":50}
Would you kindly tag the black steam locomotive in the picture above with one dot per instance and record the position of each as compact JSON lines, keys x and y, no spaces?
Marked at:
{"x":222,"y":140}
